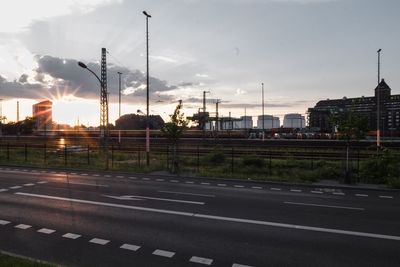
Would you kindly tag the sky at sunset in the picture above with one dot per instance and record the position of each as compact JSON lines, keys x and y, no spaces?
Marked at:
{"x":303,"y":51}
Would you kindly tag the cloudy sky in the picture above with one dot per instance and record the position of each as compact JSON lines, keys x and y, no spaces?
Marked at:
{"x":303,"y":51}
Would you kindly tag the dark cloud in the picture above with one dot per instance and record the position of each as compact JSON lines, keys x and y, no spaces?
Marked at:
{"x":23,"y":78}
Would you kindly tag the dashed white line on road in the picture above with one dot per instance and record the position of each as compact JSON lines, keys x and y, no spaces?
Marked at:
{"x":99,"y":241}
{"x":29,"y":184}
{"x":146,"y":179}
{"x":130,"y":247}
{"x":120,"y":176}
{"x":160,"y":180}
{"x":316,"y":192}
{"x":15,"y":187}
{"x":189,"y":182}
{"x":389,"y":197}
{"x":361,"y":195}
{"x":96,"y":175}
{"x":240,"y":265}
{"x":323,"y":206}
{"x":174,"y":181}
{"x":84,"y":174}
{"x":275,"y":189}
{"x":72,"y":173}
{"x":205,"y":183}
{"x":71,"y":236}
{"x":221,"y":184}
{"x":42,"y":182}
{"x":238,"y":186}
{"x":295,"y":190}
{"x":184,"y":193}
{"x":132,"y":177}
{"x":3,"y":222}
{"x":200,"y":260}
{"x":256,"y":187}
{"x":220,"y":218}
{"x":23,"y":226}
{"x":163,"y":253}
{"x":108,"y":176}
{"x":3,"y":190}
{"x":338,"y":193}
{"x":46,"y":231}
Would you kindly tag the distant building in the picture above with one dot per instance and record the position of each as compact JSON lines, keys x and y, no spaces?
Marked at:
{"x":42,"y":113}
{"x":270,"y":122}
{"x":294,"y":120}
{"x":319,"y":117}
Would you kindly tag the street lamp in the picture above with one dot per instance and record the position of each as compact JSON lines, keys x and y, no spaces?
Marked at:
{"x":147,"y":91}
{"x":119,"y":104}
{"x":105,"y":135}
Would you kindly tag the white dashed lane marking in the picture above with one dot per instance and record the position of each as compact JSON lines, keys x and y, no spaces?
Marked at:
{"x":99,"y":241}
{"x":389,"y":197}
{"x":361,"y":195}
{"x":120,"y":176}
{"x":130,"y":247}
{"x":71,"y":236}
{"x":189,"y":182}
{"x":29,"y":184}
{"x":295,"y":190}
{"x":42,"y":182}
{"x":338,"y":193}
{"x":317,"y":192}
{"x":257,"y":187}
{"x":23,"y":226}
{"x":238,"y":186}
{"x":15,"y":187}
{"x":160,"y":180}
{"x":4,"y":222}
{"x":163,"y":253}
{"x":200,"y":260}
{"x":174,"y":181}
{"x":240,"y":265}
{"x":205,"y":183}
{"x":221,"y":184}
{"x":275,"y":189}
{"x":146,"y":179}
{"x":46,"y":231}
{"x":3,"y":190}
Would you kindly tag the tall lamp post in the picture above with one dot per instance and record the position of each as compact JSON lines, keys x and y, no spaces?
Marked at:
{"x":147,"y":90}
{"x":105,"y":141}
{"x":263,"y":127}
{"x":119,"y":103}
{"x":378,"y":107}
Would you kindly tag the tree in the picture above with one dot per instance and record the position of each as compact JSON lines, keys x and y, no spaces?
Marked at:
{"x":173,"y":131}
{"x":350,"y":126}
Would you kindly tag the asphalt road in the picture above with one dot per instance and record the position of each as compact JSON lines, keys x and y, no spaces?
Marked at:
{"x":99,"y":219}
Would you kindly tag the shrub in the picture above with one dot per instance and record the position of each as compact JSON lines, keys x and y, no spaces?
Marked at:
{"x":254,"y":161}
{"x":215,"y":157}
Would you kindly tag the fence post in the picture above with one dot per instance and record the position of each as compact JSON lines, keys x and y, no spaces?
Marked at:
{"x":198,"y":159}
{"x":65,"y":155}
{"x":112,"y":156}
{"x":44,"y":153}
{"x":312,"y":159}
{"x":232,"y":161}
{"x":88,"y":154}
{"x":26,"y":153}
{"x":8,"y":151}
{"x":139,"y":155}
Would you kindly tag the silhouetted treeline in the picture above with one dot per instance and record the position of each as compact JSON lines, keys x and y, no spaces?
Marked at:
{"x":138,"y":122}
{"x":22,"y":127}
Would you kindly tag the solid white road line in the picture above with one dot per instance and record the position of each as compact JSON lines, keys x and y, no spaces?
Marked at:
{"x":99,"y":241}
{"x":163,"y":253}
{"x":130,"y":247}
{"x":200,"y":260}
{"x":96,"y":185}
{"x":46,"y":231}
{"x":3,"y":222}
{"x":220,"y":218}
{"x":71,"y":236}
{"x":183,"y":193}
{"x":324,"y":206}
{"x":239,"y":265}
{"x":130,"y":197}
{"x":29,"y":184}
{"x":15,"y":187}
{"x":23,"y":226}
{"x":361,"y":195}
{"x":389,"y":197}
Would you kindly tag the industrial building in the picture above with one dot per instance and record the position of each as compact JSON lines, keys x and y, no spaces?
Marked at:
{"x":270,"y":122}
{"x":319,"y":117}
{"x":294,"y":120}
{"x":43,"y":114}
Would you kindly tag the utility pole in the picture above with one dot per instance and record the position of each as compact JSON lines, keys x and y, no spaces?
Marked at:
{"x":147,"y":91}
{"x":378,"y":111}
{"x":216,"y":114}
{"x":17,"y":111}
{"x":203,"y":118}
{"x":1,"y":116}
{"x":263,"y":126}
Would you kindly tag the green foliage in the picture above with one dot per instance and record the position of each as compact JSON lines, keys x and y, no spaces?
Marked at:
{"x":6,"y":260}
{"x":253,"y":161}
{"x":350,"y":126}
{"x":215,"y":157}
{"x":174,"y":129}
{"x":383,"y":168}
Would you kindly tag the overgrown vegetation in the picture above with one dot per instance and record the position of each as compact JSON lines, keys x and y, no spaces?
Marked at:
{"x":10,"y":261}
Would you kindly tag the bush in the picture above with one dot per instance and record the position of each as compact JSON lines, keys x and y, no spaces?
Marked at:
{"x":383,"y":168}
{"x":215,"y":157}
{"x":254,"y":161}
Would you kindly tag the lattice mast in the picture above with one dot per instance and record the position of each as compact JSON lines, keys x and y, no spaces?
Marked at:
{"x":104,"y":94}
